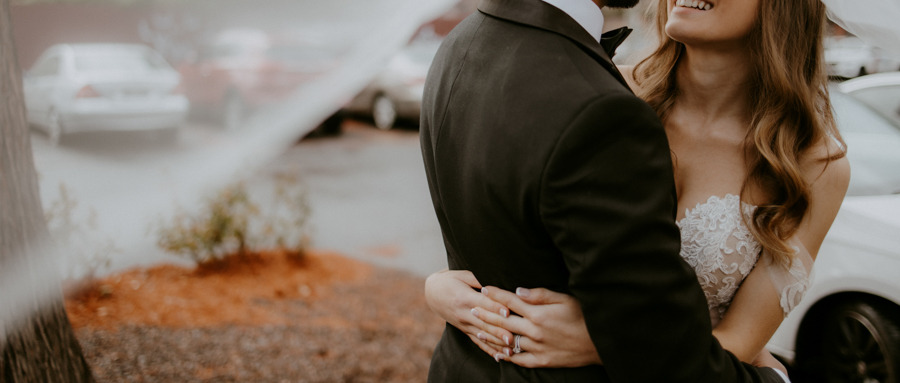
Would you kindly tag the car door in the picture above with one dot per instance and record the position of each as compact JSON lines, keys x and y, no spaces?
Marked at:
{"x":872,"y":141}
{"x":40,"y":86}
{"x":885,"y":99}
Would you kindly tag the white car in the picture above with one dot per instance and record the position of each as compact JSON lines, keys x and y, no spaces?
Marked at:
{"x":880,"y":91}
{"x":850,"y":57}
{"x":91,"y":87}
{"x":847,"y":328}
{"x":397,"y":92}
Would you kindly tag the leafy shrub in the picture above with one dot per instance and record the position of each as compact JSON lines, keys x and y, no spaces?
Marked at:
{"x":231,"y":223}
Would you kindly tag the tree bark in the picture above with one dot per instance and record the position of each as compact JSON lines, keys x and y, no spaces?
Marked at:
{"x":39,"y":345}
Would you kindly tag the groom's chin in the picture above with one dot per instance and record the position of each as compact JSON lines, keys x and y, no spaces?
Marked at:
{"x":621,"y":3}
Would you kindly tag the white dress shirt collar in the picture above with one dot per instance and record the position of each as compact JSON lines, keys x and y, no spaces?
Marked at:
{"x":585,"y":12}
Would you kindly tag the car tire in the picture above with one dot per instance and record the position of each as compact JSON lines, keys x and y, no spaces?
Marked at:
{"x":384,"y":112}
{"x":332,"y":125}
{"x":852,"y":342}
{"x":54,"y":128}
{"x":233,"y":111}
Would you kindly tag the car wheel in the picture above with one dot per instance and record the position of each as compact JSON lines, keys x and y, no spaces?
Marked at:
{"x":54,"y":128}
{"x":234,"y":111}
{"x":855,"y":342}
{"x":384,"y":112}
{"x":332,"y":126}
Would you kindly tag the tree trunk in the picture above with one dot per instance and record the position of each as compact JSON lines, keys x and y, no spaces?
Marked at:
{"x":37,"y":343}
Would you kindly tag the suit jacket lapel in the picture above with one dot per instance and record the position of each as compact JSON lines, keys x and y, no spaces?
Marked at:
{"x":539,"y":14}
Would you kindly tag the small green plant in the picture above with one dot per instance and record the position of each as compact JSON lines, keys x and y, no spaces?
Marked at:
{"x":218,"y":230}
{"x":231,"y":223}
{"x":284,"y":223}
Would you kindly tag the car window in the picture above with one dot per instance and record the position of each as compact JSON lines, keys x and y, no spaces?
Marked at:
{"x":118,"y":61}
{"x":873,"y":144}
{"x":46,"y":67}
{"x":885,"y":99}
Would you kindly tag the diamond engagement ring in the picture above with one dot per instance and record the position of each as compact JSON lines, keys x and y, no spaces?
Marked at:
{"x":517,"y":349}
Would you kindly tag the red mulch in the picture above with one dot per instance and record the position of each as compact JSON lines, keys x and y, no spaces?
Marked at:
{"x":269,"y":317}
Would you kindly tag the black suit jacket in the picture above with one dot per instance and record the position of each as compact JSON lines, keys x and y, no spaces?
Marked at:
{"x":546,"y":171}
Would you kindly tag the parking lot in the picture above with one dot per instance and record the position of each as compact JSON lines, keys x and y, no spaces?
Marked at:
{"x":366,"y":189}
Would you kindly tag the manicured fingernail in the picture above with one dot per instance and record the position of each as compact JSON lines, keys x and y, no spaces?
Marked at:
{"x":482,"y":336}
{"x":504,"y":313}
{"x":484,"y":290}
{"x":523,"y":292}
{"x":506,"y":339}
{"x":497,"y":357}
{"x":507,"y":351}
{"x":475,"y":313}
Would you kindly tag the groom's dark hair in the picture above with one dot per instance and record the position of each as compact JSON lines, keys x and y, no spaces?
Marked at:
{"x":622,"y":3}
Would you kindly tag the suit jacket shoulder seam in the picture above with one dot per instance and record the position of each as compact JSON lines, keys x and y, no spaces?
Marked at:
{"x":440,"y":125}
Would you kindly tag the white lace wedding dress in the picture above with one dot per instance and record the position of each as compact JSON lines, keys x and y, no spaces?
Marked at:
{"x":719,"y":246}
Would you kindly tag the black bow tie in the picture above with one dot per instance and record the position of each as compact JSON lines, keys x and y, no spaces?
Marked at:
{"x":612,"y":39}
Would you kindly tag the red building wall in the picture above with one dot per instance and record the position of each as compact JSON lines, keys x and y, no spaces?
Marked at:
{"x":37,"y":27}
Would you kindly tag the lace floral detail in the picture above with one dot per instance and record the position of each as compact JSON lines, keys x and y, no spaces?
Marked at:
{"x":791,"y":283}
{"x":719,"y":246}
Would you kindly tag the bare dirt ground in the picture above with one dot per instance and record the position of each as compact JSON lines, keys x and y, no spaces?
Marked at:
{"x":264,"y":318}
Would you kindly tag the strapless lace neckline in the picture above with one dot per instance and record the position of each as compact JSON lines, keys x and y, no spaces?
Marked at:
{"x":719,"y":246}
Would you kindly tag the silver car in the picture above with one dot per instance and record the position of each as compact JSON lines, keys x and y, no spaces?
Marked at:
{"x":397,"y":92}
{"x":850,"y":57}
{"x":94,"y":87}
{"x":880,"y":91}
{"x":847,"y":328}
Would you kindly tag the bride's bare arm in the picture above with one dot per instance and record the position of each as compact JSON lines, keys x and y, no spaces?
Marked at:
{"x":755,"y":312}
{"x":552,"y":322}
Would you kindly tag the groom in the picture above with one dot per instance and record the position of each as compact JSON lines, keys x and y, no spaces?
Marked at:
{"x":546,"y":171}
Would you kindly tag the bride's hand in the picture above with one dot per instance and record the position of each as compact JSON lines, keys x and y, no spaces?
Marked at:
{"x":451,"y":295}
{"x":551,"y":324}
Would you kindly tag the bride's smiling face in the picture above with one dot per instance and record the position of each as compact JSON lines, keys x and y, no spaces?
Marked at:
{"x":695,"y":22}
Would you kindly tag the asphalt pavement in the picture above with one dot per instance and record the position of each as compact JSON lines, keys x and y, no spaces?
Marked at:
{"x":366,"y":189}
{"x":369,"y":196}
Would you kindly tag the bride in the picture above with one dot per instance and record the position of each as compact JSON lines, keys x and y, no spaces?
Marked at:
{"x":760,"y":172}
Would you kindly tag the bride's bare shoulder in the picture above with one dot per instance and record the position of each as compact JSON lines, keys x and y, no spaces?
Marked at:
{"x":826,"y":167}
{"x":628,"y":72}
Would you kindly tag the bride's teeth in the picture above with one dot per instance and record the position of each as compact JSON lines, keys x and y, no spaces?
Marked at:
{"x":707,"y":7}
{"x":701,"y":4}
{"x":694,"y":4}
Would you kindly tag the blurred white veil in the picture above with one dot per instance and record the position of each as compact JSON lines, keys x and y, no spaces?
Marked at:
{"x":876,"y":22}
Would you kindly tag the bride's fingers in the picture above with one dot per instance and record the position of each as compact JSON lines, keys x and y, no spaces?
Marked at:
{"x":504,"y":326}
{"x":490,"y":339}
{"x":508,"y":299}
{"x":491,"y":305}
{"x":488,"y":349}
{"x":466,"y":277}
{"x":528,"y":358}
{"x":525,"y":359}
{"x":541,"y":296}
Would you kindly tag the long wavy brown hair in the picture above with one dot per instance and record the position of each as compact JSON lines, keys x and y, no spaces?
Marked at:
{"x":789,"y":109}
